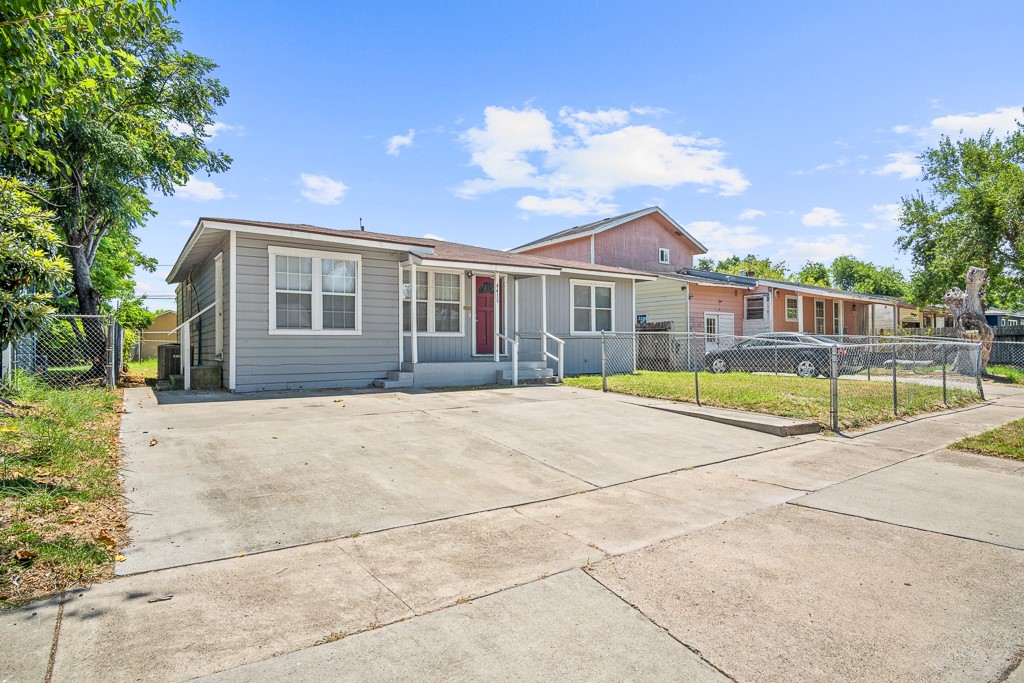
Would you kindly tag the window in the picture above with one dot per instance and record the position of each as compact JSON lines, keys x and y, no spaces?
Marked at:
{"x":837,"y":317}
{"x":711,"y":325}
{"x":438,"y":302}
{"x":662,"y":255}
{"x":792,"y":314}
{"x":755,"y":307}
{"x":819,"y":316}
{"x":591,"y":307}
{"x":314,"y":292}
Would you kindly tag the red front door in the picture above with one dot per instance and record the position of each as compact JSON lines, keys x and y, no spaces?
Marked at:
{"x":485,"y":315}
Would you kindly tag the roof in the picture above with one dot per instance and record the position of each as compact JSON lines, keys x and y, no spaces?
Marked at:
{"x":425,"y":249}
{"x":607,"y":224}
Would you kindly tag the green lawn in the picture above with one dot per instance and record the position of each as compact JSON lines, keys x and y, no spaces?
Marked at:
{"x":61,"y":513}
{"x":1006,"y":441}
{"x":1007,"y":373}
{"x":861,"y":403}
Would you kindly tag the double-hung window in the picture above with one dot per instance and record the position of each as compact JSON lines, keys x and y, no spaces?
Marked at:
{"x":819,"y":316}
{"x":314,"y":292}
{"x":591,"y":307}
{"x":438,"y":302}
{"x":755,"y":307}
{"x":837,"y":317}
{"x":792,"y":314}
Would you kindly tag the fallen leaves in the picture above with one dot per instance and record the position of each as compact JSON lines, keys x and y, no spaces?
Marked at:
{"x":24,"y":555}
{"x":153,"y":442}
{"x":119,"y":558}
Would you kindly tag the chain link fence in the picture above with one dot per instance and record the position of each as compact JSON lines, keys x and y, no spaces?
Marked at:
{"x":1007,"y":353}
{"x":842,"y":383}
{"x":70,"y":351}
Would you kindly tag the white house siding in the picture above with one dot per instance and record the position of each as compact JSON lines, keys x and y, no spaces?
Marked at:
{"x":664,"y":300}
{"x":299,"y":361}
{"x":752,"y":327}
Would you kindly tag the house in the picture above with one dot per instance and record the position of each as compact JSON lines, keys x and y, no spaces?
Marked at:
{"x":998,"y":317}
{"x":693,"y":300}
{"x":160,"y":331}
{"x":293,"y":306}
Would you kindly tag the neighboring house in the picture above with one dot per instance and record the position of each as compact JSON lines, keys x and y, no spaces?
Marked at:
{"x":910,"y":317}
{"x":161,"y":331}
{"x":700,"y":301}
{"x":286,"y":306}
{"x":997,"y":317}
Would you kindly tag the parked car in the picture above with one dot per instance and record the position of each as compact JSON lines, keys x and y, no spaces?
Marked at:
{"x":806,"y":355}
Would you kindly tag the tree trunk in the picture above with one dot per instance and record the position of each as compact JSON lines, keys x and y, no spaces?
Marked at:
{"x":969,"y":320}
{"x":94,"y":348}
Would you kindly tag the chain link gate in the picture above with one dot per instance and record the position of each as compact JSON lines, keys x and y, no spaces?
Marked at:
{"x":70,"y":351}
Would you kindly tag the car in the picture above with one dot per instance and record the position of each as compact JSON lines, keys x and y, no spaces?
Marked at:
{"x":805,"y":355}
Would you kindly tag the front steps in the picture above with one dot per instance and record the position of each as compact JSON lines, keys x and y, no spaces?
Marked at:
{"x":200,"y":377}
{"x":395,"y":380}
{"x":471,"y":373}
{"x":527,"y":375}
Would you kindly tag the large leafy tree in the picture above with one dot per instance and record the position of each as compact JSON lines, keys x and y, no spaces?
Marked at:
{"x":972,"y":214}
{"x":750,"y":264}
{"x":855,"y":275}
{"x":813,"y":273}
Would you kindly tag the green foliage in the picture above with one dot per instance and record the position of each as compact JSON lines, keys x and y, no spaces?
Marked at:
{"x":813,"y":273}
{"x":30,"y":262}
{"x":972,"y":215}
{"x":749,"y":265}
{"x":853,"y":275}
{"x":1006,"y":441}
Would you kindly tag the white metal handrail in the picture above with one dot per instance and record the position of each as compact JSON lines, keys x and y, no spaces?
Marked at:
{"x":515,"y":356}
{"x":194,"y":317}
{"x":560,"y":358}
{"x":185,"y":354}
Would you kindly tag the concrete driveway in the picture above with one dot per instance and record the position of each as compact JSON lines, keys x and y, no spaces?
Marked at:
{"x":212,"y":475}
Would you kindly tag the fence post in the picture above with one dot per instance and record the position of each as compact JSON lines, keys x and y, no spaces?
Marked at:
{"x":834,"y":380}
{"x":977,"y":370}
{"x":895,"y":408}
{"x":604,"y":372}
{"x":696,"y":376}
{"x":944,"y":401}
{"x":871,"y":354}
{"x":111,"y":352}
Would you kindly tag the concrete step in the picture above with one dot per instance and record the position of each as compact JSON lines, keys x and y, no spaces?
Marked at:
{"x":200,"y":377}
{"x":393,"y":383}
{"x":401,"y":376}
{"x":527,"y":375}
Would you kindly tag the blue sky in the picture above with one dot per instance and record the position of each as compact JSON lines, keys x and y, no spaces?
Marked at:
{"x":783,"y":129}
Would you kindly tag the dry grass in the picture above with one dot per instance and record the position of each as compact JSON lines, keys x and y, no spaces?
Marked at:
{"x":1004,"y":442}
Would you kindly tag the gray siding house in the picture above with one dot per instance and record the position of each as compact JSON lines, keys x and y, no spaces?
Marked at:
{"x":289,"y":306}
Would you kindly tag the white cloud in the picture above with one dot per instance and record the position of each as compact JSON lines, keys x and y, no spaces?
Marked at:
{"x":432,"y":236}
{"x":838,"y":163}
{"x":213,"y":130}
{"x":395,"y":143}
{"x":890,"y":213}
{"x":901,"y":130}
{"x":649,"y":111}
{"x":821,"y":217}
{"x":200,"y":190}
{"x":750,"y":214}
{"x":592,"y":155}
{"x":1002,"y":121}
{"x":823,"y":249}
{"x":322,"y":189}
{"x":902,"y":164}
{"x":735,"y":238}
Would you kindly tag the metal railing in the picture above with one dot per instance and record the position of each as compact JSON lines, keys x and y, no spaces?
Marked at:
{"x":186,"y":347}
{"x":560,"y":358}
{"x":514,"y":344}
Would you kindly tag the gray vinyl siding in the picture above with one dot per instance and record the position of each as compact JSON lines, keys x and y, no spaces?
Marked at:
{"x":265,"y":361}
{"x":664,"y":300}
{"x":195,"y":294}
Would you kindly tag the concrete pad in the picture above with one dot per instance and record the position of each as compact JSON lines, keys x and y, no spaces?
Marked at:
{"x":222,"y":614}
{"x":213,"y":493}
{"x":606,"y":441}
{"x":792,"y":594}
{"x":960,"y":495}
{"x":26,"y":636}
{"x":985,"y":416}
{"x":917,"y":435}
{"x":438,"y":563}
{"x":566,"y":627}
{"x":758,"y":422}
{"x":631,"y":516}
{"x":814,"y":464}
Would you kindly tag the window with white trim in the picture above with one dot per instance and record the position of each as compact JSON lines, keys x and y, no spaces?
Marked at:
{"x":837,"y":317}
{"x":314,"y":292}
{"x":819,"y":316}
{"x":792,"y":314}
{"x":663,"y":255}
{"x":438,"y":302}
{"x":754,"y":309}
{"x":592,"y":310}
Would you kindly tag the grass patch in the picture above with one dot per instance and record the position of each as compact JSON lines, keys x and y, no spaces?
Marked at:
{"x":1005,"y":442}
{"x":1007,"y":373}
{"x":61,"y":512}
{"x":139,"y":373}
{"x":861,"y":403}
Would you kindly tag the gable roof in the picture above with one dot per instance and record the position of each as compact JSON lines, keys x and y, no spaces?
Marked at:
{"x":596,"y":227}
{"x":423,"y":249}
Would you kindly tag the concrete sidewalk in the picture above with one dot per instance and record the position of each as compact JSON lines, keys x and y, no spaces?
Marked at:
{"x":715,"y":558}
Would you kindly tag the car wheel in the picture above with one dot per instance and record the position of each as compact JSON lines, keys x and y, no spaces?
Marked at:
{"x":718,"y":366}
{"x":806,"y":368}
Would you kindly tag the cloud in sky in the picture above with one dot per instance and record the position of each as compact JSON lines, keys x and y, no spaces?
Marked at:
{"x":738,"y":239}
{"x":901,"y":164}
{"x":395,"y":143}
{"x":750,"y":214}
{"x":197,"y":190}
{"x":821,"y":217}
{"x":432,"y":236}
{"x":576,"y":166}
{"x":212,"y":130}
{"x":823,"y":249}
{"x":322,"y":189}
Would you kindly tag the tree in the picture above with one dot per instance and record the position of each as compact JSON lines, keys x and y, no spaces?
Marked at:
{"x":972,"y":215}
{"x":749,"y":265}
{"x":853,"y":275}
{"x":813,"y":273}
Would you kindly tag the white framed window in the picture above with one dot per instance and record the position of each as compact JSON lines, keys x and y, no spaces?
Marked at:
{"x":593,"y":307}
{"x":663,"y":255}
{"x":439,"y":302}
{"x":837,"y":317}
{"x":792,"y":312}
{"x":711,"y":325}
{"x":819,"y":316}
{"x":314,"y":292}
{"x":754,"y":308}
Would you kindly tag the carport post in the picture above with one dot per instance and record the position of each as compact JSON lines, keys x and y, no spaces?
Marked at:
{"x":895,"y":409}
{"x":834,"y":381}
{"x":944,"y":401}
{"x":604,"y":374}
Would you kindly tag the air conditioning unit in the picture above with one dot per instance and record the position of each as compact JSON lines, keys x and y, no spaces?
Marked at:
{"x":168,"y":360}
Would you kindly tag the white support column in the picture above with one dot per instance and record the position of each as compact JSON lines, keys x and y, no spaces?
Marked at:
{"x":544,"y":316}
{"x":413,"y":312}
{"x":895,"y":319}
{"x":799,"y":313}
{"x":232,"y":311}
{"x":515,"y":308}
{"x":186,"y":355}
{"x":497,"y":317}
{"x":401,"y":318}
